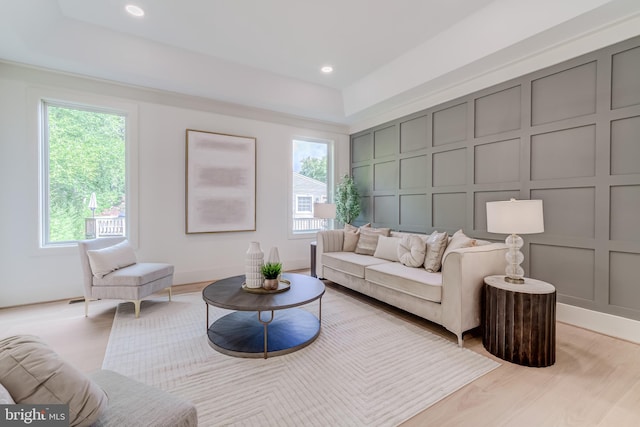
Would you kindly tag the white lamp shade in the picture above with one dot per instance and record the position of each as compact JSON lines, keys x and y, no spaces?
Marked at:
{"x":515,"y":217}
{"x":324,"y":210}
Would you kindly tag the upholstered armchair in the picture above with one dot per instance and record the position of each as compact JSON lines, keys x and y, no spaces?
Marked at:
{"x":111,"y":271}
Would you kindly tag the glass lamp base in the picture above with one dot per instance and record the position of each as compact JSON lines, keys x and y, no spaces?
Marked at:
{"x":514,"y":273}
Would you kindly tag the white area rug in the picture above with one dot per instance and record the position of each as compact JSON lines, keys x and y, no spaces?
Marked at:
{"x":367,"y":367}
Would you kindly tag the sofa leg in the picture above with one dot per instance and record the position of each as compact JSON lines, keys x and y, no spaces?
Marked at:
{"x":86,"y":307}
{"x":460,"y":340}
{"x":170,"y":293}
{"x":136,"y":304}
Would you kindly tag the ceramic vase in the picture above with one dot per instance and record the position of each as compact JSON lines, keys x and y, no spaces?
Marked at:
{"x":253,"y":266}
{"x":274,"y":258}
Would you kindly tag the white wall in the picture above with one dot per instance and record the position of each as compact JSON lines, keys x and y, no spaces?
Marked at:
{"x":29,"y":274}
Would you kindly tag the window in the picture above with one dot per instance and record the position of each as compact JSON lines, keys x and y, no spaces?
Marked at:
{"x":311,"y":182}
{"x":83,"y":173}
{"x":304,"y":204}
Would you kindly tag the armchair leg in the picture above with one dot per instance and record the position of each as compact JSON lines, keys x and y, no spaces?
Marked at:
{"x":136,"y":304}
{"x":86,"y":307}
{"x":170,"y":293}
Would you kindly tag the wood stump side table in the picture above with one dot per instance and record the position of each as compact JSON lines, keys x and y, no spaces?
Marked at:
{"x":519,"y":321}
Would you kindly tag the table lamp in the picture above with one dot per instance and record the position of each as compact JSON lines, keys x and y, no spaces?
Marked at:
{"x":515,"y":217}
{"x":324,"y":211}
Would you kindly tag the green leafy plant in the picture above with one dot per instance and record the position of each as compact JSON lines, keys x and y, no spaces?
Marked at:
{"x":271,"y":270}
{"x":347,"y":200}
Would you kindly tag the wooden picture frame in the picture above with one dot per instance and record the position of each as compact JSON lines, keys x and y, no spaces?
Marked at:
{"x":220,"y":182}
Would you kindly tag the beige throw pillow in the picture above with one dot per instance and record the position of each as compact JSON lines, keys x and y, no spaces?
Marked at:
{"x":351,"y":236}
{"x":436,"y":245}
{"x":104,"y":261}
{"x":368,"y":240}
{"x":411,"y":251}
{"x":34,"y":374}
{"x":458,"y":240}
{"x":387,"y":248}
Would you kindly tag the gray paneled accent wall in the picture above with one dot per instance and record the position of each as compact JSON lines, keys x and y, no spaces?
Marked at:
{"x":568,"y":134}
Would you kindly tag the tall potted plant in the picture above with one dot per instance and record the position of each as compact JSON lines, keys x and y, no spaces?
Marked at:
{"x":347,"y":200}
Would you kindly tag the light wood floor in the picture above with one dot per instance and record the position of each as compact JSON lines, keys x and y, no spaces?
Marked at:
{"x":594,"y":382}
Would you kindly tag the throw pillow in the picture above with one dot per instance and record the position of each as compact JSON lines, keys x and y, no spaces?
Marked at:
{"x":351,"y":236}
{"x":5,"y":397}
{"x":411,"y":251}
{"x":387,"y":248}
{"x":368,"y":240}
{"x":458,"y":240}
{"x":104,"y":261}
{"x":436,"y":245}
{"x":34,"y":374}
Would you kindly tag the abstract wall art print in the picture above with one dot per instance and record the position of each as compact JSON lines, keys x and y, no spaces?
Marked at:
{"x":220,"y":182}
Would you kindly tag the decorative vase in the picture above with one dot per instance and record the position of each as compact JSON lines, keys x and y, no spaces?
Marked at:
{"x":274,"y":256}
{"x":253,"y":266}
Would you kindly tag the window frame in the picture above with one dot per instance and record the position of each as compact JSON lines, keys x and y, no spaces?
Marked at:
{"x":331,"y":161}
{"x":38,"y":99}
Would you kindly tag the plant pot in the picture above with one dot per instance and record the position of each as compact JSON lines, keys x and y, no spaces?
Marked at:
{"x":270,"y":284}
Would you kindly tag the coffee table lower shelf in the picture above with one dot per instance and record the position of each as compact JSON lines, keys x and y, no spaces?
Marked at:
{"x":274,"y":333}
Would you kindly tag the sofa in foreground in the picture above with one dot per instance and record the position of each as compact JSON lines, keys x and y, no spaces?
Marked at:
{"x":437,"y":277}
{"x":32,"y":373}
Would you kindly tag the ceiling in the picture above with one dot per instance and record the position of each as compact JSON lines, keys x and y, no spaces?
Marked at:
{"x":268,"y":54}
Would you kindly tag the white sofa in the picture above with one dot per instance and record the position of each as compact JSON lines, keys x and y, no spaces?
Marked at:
{"x":450,"y":297}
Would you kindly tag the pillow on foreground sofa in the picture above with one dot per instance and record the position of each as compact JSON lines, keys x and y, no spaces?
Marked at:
{"x":32,"y":373}
{"x":445,"y":287}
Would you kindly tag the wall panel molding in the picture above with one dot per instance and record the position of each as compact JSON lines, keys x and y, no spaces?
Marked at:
{"x":568,"y":134}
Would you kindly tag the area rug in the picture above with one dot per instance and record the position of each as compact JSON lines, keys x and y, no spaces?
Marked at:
{"x":368,"y":367}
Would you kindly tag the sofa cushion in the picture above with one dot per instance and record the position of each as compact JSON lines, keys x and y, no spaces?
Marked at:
{"x":349,"y":262}
{"x":135,"y":275}
{"x":104,"y":261}
{"x":413,"y":281}
{"x":368,"y":240}
{"x":411,"y":251}
{"x":132,"y":403}
{"x":458,"y":240}
{"x":436,"y":245}
{"x":34,"y":374}
{"x":387,"y":248}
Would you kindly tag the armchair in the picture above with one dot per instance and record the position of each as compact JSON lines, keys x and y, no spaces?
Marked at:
{"x":111,"y":271}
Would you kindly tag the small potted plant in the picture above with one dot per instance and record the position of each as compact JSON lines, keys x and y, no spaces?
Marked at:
{"x":271,"y":271}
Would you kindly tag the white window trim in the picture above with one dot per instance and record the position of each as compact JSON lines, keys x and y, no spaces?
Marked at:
{"x":36,"y":96}
{"x":331,"y":168}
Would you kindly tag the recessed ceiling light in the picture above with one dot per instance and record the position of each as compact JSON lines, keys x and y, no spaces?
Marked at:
{"x":134,"y":10}
{"x":327,"y":69}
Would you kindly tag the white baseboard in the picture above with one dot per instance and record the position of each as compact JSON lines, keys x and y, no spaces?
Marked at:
{"x":608,"y":324}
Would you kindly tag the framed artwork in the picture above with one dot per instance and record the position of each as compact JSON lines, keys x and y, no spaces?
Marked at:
{"x":220,"y":182}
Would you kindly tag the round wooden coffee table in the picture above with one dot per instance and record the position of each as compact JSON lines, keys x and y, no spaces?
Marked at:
{"x":263,"y":325}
